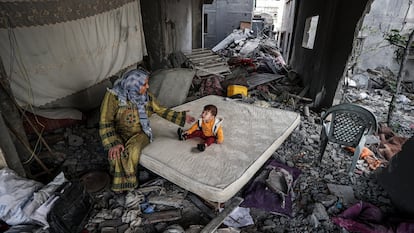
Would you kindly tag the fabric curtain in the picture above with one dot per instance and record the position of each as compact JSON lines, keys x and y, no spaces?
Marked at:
{"x":58,"y":48}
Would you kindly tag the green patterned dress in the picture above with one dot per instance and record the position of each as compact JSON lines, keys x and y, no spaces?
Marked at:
{"x":120,"y":125}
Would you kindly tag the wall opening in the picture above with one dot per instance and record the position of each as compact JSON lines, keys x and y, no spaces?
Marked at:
{"x":205,"y":23}
{"x":309,"y":34}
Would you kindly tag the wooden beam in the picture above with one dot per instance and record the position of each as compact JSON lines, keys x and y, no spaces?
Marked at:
{"x":161,"y":216}
{"x":217,"y":221}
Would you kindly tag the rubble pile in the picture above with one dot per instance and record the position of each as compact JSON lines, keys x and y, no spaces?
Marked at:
{"x":261,"y":50}
{"x":319,"y":194}
{"x":159,"y":205}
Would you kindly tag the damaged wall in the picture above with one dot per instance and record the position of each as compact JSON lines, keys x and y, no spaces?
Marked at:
{"x":222,"y":17}
{"x":167,"y":28}
{"x":384,"y":16}
{"x":322,"y":67}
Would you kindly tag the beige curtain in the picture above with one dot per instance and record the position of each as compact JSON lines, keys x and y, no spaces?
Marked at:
{"x":75,"y":47}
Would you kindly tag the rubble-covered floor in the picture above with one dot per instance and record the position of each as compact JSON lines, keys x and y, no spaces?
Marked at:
{"x":158,"y":205}
{"x":313,"y":204}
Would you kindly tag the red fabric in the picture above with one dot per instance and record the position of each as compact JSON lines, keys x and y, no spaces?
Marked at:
{"x":198,"y":133}
{"x":49,"y":125}
{"x":211,"y":86}
{"x":366,"y":218}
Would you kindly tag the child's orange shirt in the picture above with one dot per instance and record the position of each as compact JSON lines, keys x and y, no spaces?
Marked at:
{"x":207,"y":129}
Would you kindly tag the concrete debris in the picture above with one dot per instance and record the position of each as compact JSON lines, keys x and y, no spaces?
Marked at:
{"x":321,"y":191}
{"x":238,"y":36}
{"x":174,"y":229}
{"x":133,"y":199}
{"x":74,"y":140}
{"x":172,"y":201}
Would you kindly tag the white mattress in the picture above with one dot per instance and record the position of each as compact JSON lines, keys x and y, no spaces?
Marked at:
{"x":251,"y":135}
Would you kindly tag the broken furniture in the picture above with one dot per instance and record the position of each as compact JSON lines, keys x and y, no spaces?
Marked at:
{"x":205,"y":62}
{"x":347,"y":124}
{"x":251,"y":135}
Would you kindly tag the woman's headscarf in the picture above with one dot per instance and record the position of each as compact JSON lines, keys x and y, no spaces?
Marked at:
{"x":127,"y":88}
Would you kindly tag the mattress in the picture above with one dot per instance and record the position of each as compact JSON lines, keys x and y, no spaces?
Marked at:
{"x":251,"y":135}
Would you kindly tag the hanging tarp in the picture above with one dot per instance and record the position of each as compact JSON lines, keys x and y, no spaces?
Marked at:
{"x":52,"y":49}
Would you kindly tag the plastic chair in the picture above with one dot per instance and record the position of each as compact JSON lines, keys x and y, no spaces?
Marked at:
{"x":347,"y":124}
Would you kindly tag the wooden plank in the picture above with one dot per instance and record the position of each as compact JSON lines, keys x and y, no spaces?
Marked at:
{"x":205,"y":58}
{"x":161,"y":216}
{"x":208,"y":61}
{"x":196,"y":55}
{"x":200,"y":205}
{"x":146,"y":190}
{"x":200,"y":50}
{"x":217,"y":221}
{"x":258,"y":79}
{"x":212,"y":64}
{"x":215,"y":70}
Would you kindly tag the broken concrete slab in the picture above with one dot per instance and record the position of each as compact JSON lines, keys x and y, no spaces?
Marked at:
{"x":249,"y":47}
{"x":236,"y":35}
{"x":171,"y":86}
{"x":343,"y":192}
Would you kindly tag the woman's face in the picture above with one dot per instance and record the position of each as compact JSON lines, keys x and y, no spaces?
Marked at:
{"x":144,"y":87}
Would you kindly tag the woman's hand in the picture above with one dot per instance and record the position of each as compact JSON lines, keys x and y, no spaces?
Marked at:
{"x":189,"y":119}
{"x":115,"y":152}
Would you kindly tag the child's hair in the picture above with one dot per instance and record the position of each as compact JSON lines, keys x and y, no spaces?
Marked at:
{"x":211,"y":108}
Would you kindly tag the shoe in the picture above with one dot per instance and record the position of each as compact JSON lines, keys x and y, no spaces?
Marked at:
{"x":181,"y":135}
{"x":201,"y":147}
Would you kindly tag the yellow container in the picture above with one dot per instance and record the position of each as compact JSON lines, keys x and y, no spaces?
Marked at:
{"x":236,"y":89}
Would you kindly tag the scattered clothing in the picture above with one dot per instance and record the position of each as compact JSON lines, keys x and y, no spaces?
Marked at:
{"x":367,"y":218}
{"x":390,"y":143}
{"x":259,"y":195}
{"x":368,"y":156}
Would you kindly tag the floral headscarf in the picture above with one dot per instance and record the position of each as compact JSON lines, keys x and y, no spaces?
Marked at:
{"x":127,"y":88}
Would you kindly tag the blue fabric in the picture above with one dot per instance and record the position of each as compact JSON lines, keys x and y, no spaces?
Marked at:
{"x":127,"y":88}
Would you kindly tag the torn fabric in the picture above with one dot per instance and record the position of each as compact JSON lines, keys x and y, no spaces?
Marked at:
{"x":259,"y":195}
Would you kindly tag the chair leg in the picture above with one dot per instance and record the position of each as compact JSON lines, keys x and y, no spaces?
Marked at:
{"x":323,"y":142}
{"x":357,"y":153}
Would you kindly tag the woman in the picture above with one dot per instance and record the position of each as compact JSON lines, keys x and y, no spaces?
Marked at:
{"x":124,"y":125}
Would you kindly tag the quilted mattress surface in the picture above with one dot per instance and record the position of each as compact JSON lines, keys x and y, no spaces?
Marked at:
{"x":251,"y":135}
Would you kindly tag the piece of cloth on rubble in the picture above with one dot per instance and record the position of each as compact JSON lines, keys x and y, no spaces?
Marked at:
{"x":369,"y":157}
{"x":259,"y":195}
{"x":367,"y":218}
{"x":390,"y":143}
{"x":211,"y":86}
{"x":239,"y":217}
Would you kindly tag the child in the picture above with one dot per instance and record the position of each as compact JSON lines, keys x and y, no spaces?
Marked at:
{"x":208,"y":128}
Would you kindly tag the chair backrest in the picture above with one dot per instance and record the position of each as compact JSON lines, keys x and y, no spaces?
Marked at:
{"x":348,"y":123}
